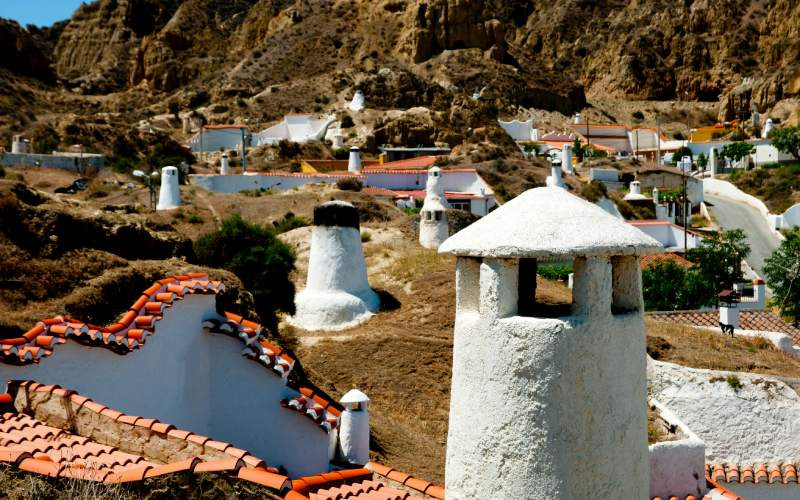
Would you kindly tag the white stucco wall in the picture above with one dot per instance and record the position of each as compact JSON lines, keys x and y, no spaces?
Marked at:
{"x":677,"y":468}
{"x":603,"y":174}
{"x":529,"y":418}
{"x":237,"y":183}
{"x":764,"y":491}
{"x":726,"y":189}
{"x":214,"y":139}
{"x":758,"y":423}
{"x":194,"y":380}
{"x":459,"y":182}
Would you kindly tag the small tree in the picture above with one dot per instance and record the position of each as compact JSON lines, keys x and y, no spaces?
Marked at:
{"x":258,"y":258}
{"x":680,"y":153}
{"x":737,"y":150}
{"x":718,"y":259}
{"x":702,"y":161}
{"x":786,"y":140}
{"x":577,"y":149}
{"x":667,"y":286}
{"x":782,"y":270}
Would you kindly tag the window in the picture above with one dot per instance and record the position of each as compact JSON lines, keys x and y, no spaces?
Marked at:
{"x":437,"y":215}
{"x":460,"y":204}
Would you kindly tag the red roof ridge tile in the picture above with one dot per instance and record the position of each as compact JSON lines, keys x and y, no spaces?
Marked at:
{"x":416,"y":484}
{"x":128,"y":333}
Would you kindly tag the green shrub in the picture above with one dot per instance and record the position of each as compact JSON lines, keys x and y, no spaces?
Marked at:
{"x":365,"y":236}
{"x":261,"y":260}
{"x":554,"y":272}
{"x":638,"y":115}
{"x":194,"y":219}
{"x":288,"y":149}
{"x":734,"y":382}
{"x":290,"y":221}
{"x":341,"y":154}
{"x":594,"y":191}
{"x":350,"y":184}
{"x":347,"y":121}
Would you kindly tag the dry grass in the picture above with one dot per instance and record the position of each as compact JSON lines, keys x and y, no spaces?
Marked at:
{"x":699,"y":348}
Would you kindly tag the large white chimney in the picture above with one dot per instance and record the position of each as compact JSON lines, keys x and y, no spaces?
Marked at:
{"x":337,"y":293}
{"x":433,"y":229}
{"x":548,"y":404}
{"x":170,"y":195}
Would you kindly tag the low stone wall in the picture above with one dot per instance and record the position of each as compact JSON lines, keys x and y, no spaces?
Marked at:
{"x":65,"y":162}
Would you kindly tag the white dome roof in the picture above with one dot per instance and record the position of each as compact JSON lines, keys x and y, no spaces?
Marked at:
{"x":549,"y":222}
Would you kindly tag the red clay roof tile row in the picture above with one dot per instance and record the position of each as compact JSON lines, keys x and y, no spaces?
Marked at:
{"x":309,"y":484}
{"x":411,"y":482}
{"x":36,"y":447}
{"x":752,"y":319}
{"x":753,"y":473}
{"x":315,"y":407}
{"x":127,"y":334}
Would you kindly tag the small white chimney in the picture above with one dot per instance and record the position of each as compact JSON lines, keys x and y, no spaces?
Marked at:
{"x":655,"y":196}
{"x":712,"y":161}
{"x":223,"y":164}
{"x":760,"y":292}
{"x":354,"y":162}
{"x":729,"y":315}
{"x":768,"y":126}
{"x":554,"y":179}
{"x":354,"y":428}
{"x":636,"y":187}
{"x":170,"y":195}
{"x":578,"y":118}
{"x":19,"y":145}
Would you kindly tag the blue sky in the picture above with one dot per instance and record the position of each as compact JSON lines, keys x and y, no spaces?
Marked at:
{"x":38,"y":12}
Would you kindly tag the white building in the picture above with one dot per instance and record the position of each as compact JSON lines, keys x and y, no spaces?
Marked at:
{"x":464,"y":188}
{"x":548,"y":407}
{"x":219,"y":137}
{"x":519,"y":130}
{"x":433,"y":229}
{"x":295,"y":128}
{"x":337,"y":294}
{"x":670,"y":235}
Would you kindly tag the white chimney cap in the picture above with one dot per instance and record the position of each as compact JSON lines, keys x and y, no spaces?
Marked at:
{"x":354,"y":396}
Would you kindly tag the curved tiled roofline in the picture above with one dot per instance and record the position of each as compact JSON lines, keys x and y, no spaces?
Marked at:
{"x":408,"y":481}
{"x":139,"y":322}
{"x":757,"y":473}
{"x":33,"y":446}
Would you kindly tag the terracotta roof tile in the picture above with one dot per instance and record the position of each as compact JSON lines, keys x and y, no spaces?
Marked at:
{"x":753,"y":319}
{"x":34,"y":446}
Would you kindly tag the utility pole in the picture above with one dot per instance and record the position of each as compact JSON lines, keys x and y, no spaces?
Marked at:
{"x":658,"y":140}
{"x":588,"y":144}
{"x":244,"y":153}
{"x":685,"y":223}
{"x":202,"y":132}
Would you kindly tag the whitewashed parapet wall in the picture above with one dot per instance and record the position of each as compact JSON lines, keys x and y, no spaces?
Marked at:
{"x":196,"y":380}
{"x":525,"y":419}
{"x":739,"y":425}
{"x":677,"y":468}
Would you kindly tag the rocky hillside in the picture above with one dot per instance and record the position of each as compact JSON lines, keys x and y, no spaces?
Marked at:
{"x":255,"y":60}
